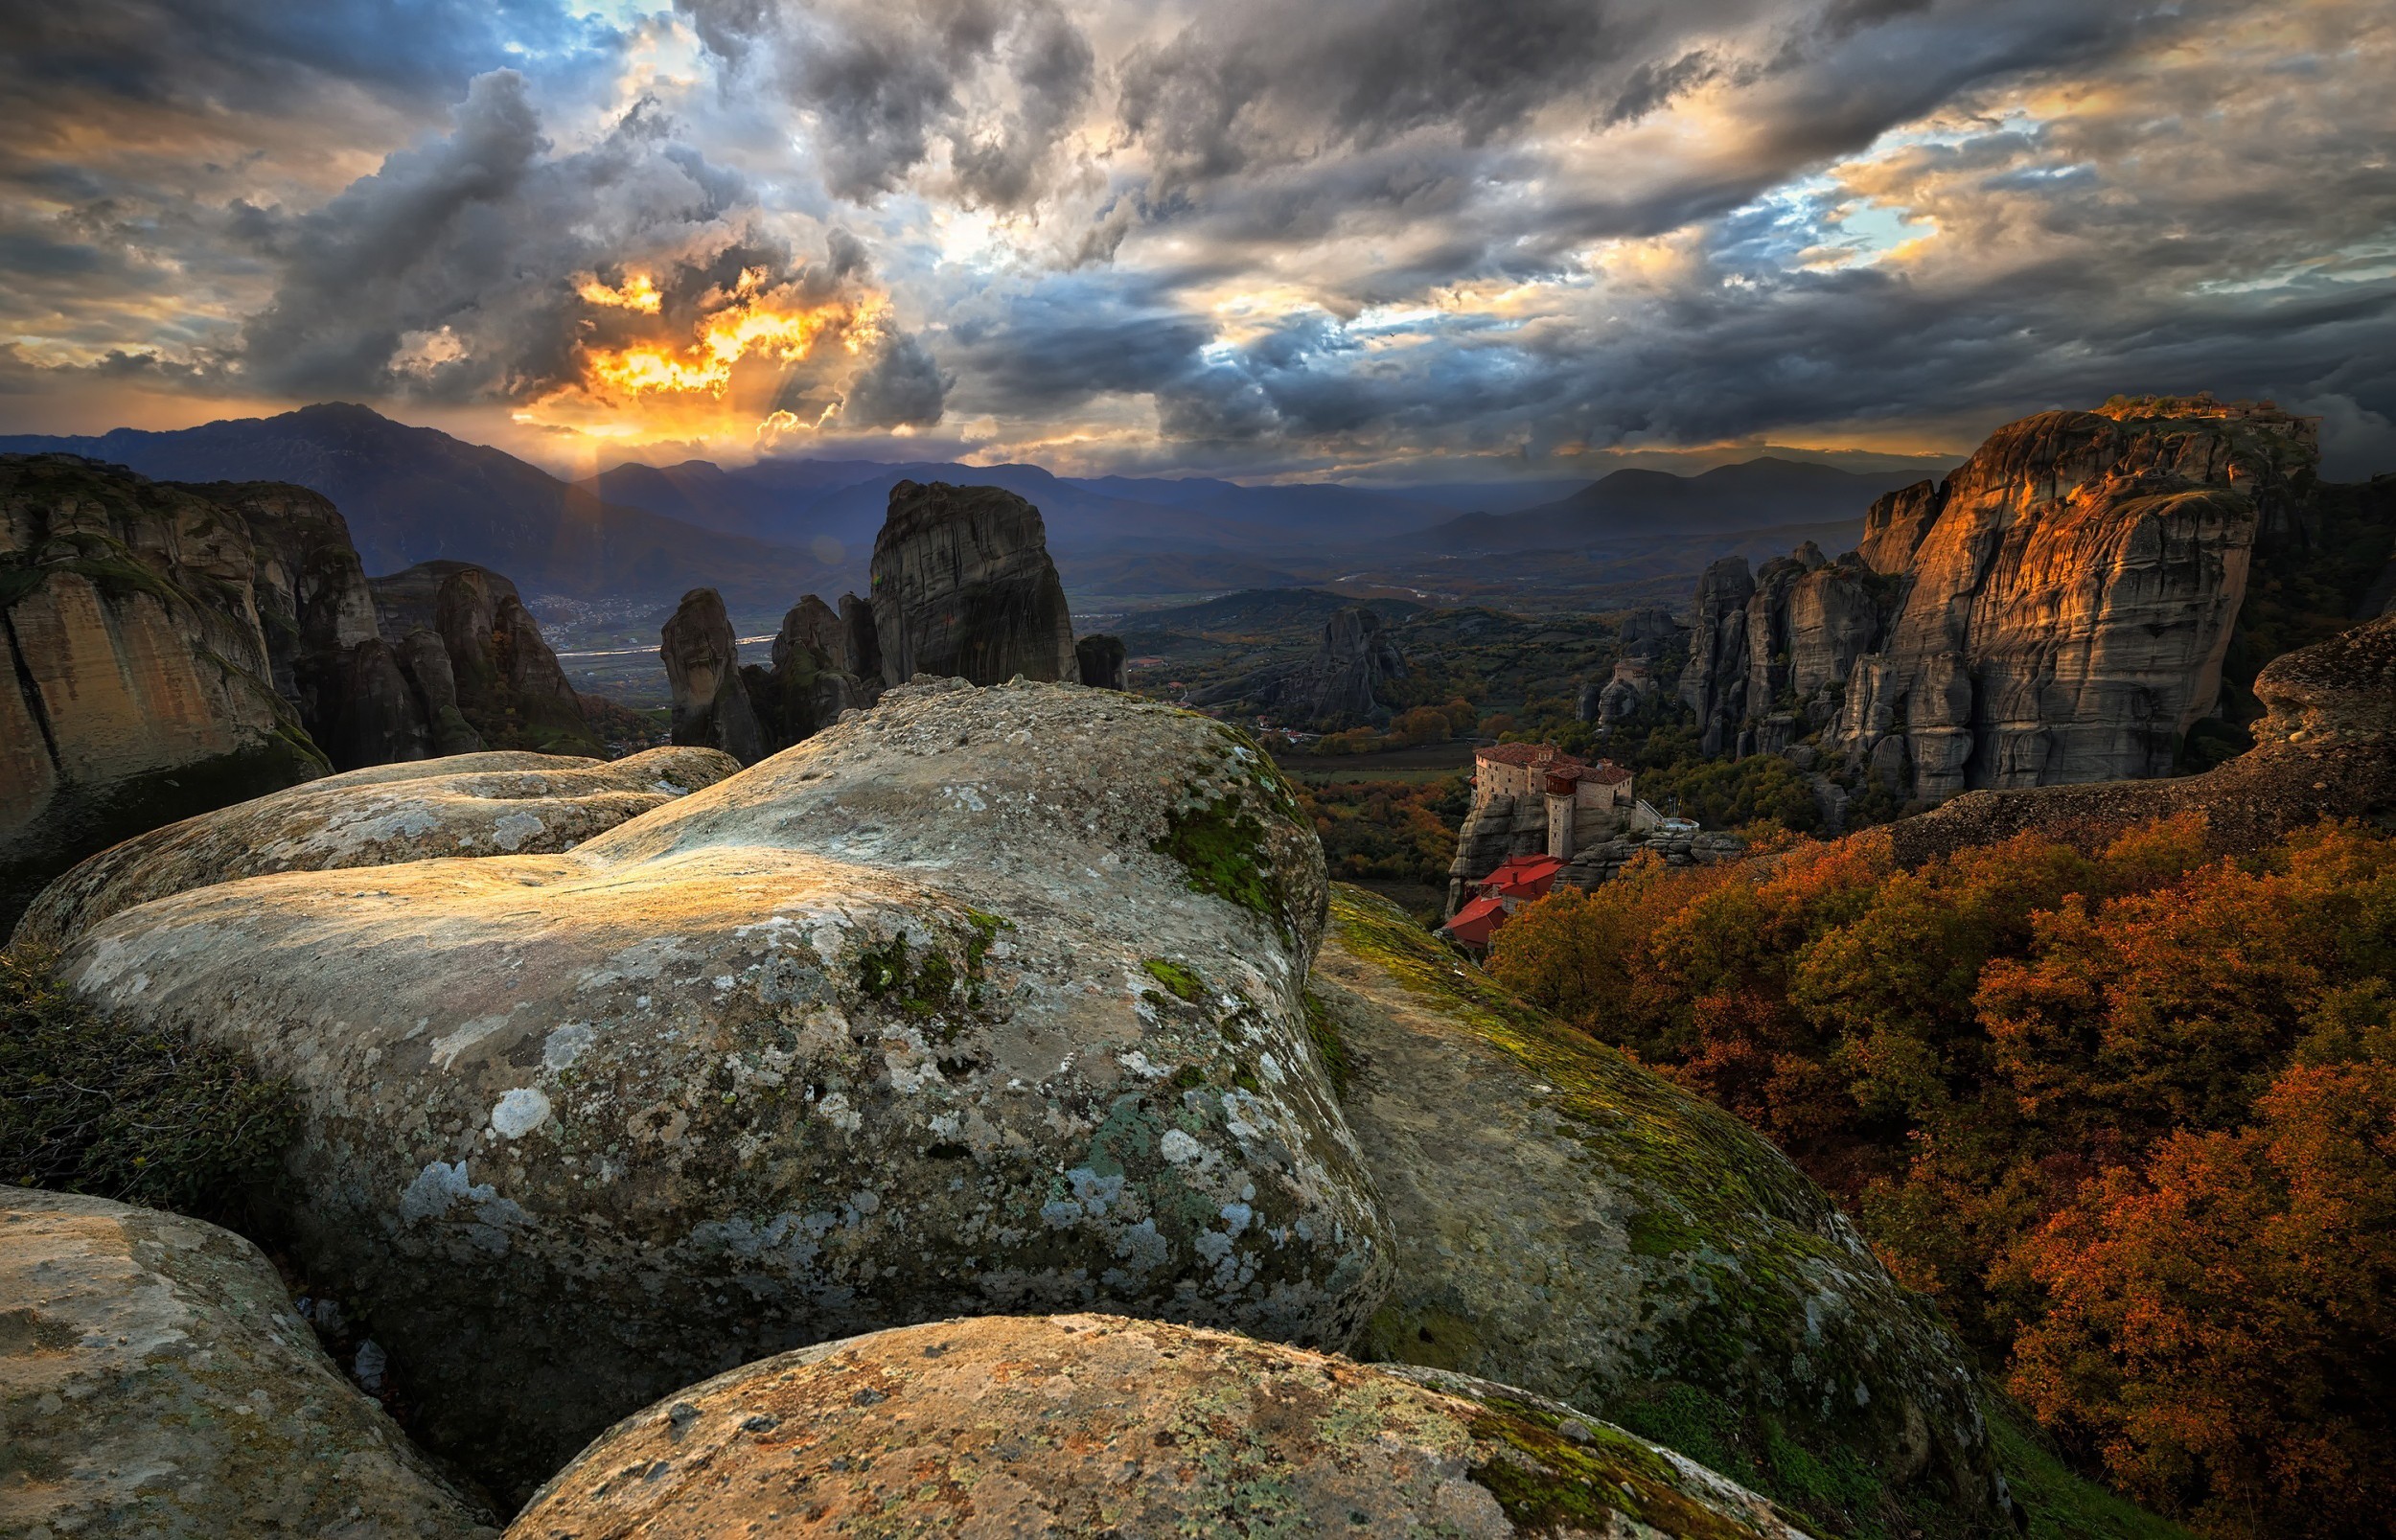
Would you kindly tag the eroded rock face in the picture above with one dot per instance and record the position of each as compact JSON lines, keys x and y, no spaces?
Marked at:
{"x":1087,"y":1425}
{"x":963,"y":588}
{"x":813,"y":679}
{"x":155,"y":1382}
{"x":1575,"y":1224}
{"x":711,"y":703}
{"x":982,"y":1001}
{"x":135,"y":685}
{"x":2322,"y":751}
{"x":2056,"y":612}
{"x":487,"y":804}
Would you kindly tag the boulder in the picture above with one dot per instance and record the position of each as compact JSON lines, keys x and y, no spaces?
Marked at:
{"x":963,"y":588}
{"x":1096,"y":1425}
{"x":134,"y":673}
{"x":1101,"y":659}
{"x":1572,"y":1224}
{"x":712,"y":707}
{"x":981,"y":1000}
{"x":155,"y":1382}
{"x":488,"y":804}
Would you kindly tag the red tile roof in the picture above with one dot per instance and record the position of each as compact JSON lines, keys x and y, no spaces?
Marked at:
{"x":1474,"y":922}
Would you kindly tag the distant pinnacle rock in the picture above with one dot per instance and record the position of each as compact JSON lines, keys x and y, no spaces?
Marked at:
{"x":711,"y":704}
{"x":963,"y":588}
{"x":1101,"y":659}
{"x":1342,"y":685}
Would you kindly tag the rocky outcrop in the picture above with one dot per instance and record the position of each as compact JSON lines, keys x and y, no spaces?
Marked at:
{"x":1713,"y":683}
{"x":963,"y":588}
{"x":1345,"y":684}
{"x":155,"y":1382}
{"x":1092,"y":1425}
{"x":711,"y":700}
{"x":813,"y":679}
{"x":982,"y":1001}
{"x":1572,"y":1224}
{"x":2055,"y":612}
{"x":488,"y":804}
{"x":2325,"y":749}
{"x":1102,"y":660}
{"x":480,"y":672}
{"x":1675,"y":844}
{"x":137,"y":686}
{"x":1646,"y":638}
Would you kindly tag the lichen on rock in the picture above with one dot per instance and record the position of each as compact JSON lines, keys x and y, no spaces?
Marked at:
{"x":484,"y":804}
{"x":860,"y":1036}
{"x":1094,"y":1425}
{"x":154,"y":1381}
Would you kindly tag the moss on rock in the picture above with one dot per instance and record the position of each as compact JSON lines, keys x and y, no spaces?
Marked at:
{"x":1572,"y":1223}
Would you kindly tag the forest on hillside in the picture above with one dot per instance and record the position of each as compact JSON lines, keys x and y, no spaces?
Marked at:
{"x":2122,"y":1110}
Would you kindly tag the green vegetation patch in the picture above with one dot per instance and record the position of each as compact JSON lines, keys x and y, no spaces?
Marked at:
{"x":93,"y":1105}
{"x":931,"y":985}
{"x":1547,"y":1481}
{"x":1325,"y":1033}
{"x":2061,"y":1504}
{"x":1183,"y":982}
{"x":1221,"y":845}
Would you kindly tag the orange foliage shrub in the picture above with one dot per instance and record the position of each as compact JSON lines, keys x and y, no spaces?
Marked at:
{"x":2115,"y":1110}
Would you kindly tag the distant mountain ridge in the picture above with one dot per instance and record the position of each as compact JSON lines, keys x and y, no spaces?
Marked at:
{"x":765,"y":532}
{"x":1637,"y":505}
{"x":415,"y":495}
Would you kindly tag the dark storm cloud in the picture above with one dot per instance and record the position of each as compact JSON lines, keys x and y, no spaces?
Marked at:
{"x":992,"y":83}
{"x":901,"y":386}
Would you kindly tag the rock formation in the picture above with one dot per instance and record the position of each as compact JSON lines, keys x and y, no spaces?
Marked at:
{"x":711,"y":703}
{"x":2056,"y":612}
{"x":813,"y":678}
{"x":1342,"y":685}
{"x":983,"y":1001}
{"x":477,"y":668}
{"x":488,"y":804}
{"x":1096,"y":1425}
{"x":137,"y":687}
{"x":1102,"y":659}
{"x":1572,"y":1224}
{"x":1645,"y":637}
{"x":963,"y":588}
{"x":154,"y":1381}
{"x":2325,"y":749}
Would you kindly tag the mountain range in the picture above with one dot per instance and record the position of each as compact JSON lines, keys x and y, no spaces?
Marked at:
{"x":765,"y":532}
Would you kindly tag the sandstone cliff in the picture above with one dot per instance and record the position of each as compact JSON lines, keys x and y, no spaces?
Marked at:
{"x":963,"y":588}
{"x":1102,"y":662}
{"x":139,"y":679}
{"x":814,"y":677}
{"x":2057,"y":610}
{"x":2326,"y":748}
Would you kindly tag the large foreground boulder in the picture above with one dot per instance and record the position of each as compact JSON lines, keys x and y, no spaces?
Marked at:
{"x":489,"y":804}
{"x":1096,"y":1425}
{"x":154,"y":1382}
{"x":1576,"y":1225}
{"x":983,"y":1001}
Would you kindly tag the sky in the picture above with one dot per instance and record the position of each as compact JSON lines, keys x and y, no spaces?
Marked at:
{"x":1378,"y":240}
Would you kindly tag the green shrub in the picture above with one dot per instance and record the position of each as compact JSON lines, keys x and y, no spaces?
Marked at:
{"x":90,"y":1104}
